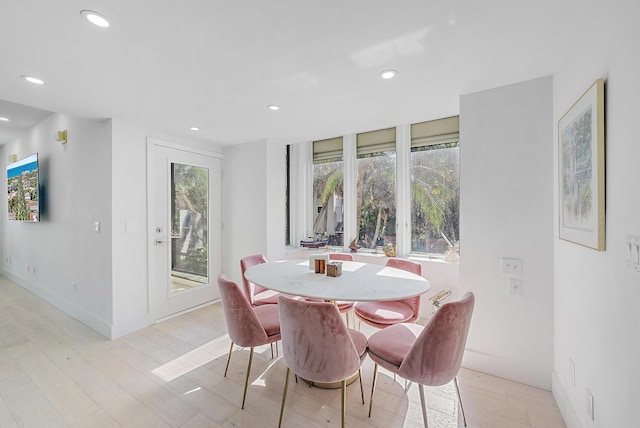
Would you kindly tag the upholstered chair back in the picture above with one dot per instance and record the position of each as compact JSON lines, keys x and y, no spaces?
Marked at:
{"x":250,"y":289}
{"x":436,"y":355}
{"x":413,"y":267}
{"x":408,"y":265}
{"x":316,"y":344}
{"x":243,"y":325}
{"x":341,"y":256}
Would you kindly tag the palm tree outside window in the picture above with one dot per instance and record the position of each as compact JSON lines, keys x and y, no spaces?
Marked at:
{"x":328,"y":191}
{"x":376,"y":188}
{"x":435,"y":186}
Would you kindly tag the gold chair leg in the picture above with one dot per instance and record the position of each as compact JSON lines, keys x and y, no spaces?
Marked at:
{"x":246,"y":381}
{"x":343,"y":392}
{"x":424,"y":406}
{"x":228,"y":359}
{"x":455,"y":382}
{"x":373,"y":386}
{"x":361,"y":388}
{"x":284,"y":396}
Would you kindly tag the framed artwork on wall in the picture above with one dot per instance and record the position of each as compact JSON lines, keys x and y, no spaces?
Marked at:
{"x":581,"y":167}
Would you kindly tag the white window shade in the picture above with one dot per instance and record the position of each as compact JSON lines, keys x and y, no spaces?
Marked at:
{"x":376,"y":141}
{"x":324,"y":150}
{"x":435,"y":131}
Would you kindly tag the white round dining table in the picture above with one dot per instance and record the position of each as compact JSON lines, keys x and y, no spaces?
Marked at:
{"x":360,"y":282}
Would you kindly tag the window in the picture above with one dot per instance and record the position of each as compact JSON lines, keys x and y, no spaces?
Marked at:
{"x":376,"y":188}
{"x":328,"y":191}
{"x":435,"y":186}
{"x":395,"y":186}
{"x":189,"y":221}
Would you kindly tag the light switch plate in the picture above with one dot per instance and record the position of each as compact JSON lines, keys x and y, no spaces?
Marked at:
{"x":509,"y":266}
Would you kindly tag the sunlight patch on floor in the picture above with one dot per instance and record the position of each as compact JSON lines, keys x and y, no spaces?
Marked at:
{"x":192,"y":360}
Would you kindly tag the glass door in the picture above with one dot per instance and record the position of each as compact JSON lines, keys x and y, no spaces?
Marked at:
{"x":184,"y":217}
{"x":189,"y":204}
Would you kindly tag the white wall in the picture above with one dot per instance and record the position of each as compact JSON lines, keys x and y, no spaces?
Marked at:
{"x":506,"y":200}
{"x":244,"y":205}
{"x":253,"y":201}
{"x":276,"y":198}
{"x":129,"y":177}
{"x":63,"y":248}
{"x":597,"y":299}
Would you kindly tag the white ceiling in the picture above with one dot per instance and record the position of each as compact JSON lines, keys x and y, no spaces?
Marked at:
{"x":166,"y":65}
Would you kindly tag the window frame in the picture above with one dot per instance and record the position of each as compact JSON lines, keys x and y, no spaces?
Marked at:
{"x":325,"y":151}
{"x":302,"y":189}
{"x":374,"y":142}
{"x":430,"y":142}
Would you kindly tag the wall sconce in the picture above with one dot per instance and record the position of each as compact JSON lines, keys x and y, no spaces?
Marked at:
{"x":61,"y":136}
{"x":13,"y":158}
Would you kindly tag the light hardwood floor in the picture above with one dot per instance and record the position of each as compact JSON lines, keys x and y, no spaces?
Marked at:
{"x":56,"y":372}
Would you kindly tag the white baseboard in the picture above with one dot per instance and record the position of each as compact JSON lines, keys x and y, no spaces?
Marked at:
{"x":507,"y":369}
{"x":99,"y":325}
{"x":562,"y":399}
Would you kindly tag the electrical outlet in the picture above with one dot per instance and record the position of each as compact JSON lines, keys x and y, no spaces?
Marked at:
{"x":510,"y":266}
{"x":515,"y":287}
{"x":75,"y":286}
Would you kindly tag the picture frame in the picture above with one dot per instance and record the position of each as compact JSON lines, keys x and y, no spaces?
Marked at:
{"x":581,"y":170}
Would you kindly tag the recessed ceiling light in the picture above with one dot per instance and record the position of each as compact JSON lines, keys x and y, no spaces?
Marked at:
{"x":274,"y":107}
{"x":95,"y":18}
{"x":388,"y":74}
{"x":4,"y":119}
{"x":194,"y":128}
{"x":33,"y":80}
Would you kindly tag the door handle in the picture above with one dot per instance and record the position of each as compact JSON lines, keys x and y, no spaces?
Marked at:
{"x":160,"y":241}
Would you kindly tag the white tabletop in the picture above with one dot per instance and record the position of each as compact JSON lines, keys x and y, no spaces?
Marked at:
{"x":358,"y":282}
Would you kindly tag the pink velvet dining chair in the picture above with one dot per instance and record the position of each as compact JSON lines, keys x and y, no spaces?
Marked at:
{"x":318,"y":346}
{"x":256,"y":294}
{"x":248,"y":326}
{"x":384,"y":314}
{"x":341,"y":256}
{"x":429,"y":355}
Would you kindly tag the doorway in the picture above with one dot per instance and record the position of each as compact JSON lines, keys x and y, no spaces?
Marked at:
{"x":184,"y":194}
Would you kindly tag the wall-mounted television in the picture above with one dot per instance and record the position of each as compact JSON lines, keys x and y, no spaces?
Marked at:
{"x":23,"y":189}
